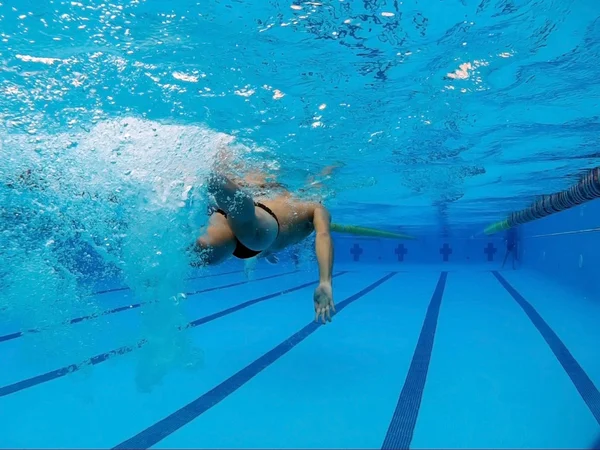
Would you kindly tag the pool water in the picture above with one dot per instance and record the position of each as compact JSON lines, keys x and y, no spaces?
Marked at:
{"x":430,"y":119}
{"x":419,"y":357}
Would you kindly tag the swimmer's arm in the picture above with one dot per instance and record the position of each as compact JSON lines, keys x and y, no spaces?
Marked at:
{"x":201,"y":255}
{"x":213,"y":247}
{"x":323,"y":244}
{"x":232,"y":199}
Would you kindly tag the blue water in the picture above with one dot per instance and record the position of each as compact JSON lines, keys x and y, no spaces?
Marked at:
{"x":428,"y":118}
{"x":272,"y":378}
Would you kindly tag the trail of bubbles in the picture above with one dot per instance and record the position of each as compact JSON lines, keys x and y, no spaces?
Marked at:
{"x":124,"y":199}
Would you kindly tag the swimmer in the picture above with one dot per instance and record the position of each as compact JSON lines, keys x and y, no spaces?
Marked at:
{"x":245,"y":227}
{"x":511,"y":241}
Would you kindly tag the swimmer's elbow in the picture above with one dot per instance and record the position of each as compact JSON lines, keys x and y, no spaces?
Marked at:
{"x":199,"y":259}
{"x":210,"y":254}
{"x":202,"y":253}
{"x":201,"y":244}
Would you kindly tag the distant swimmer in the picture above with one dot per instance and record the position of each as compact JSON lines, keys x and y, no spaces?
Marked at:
{"x":246,"y":226}
{"x":511,"y":246}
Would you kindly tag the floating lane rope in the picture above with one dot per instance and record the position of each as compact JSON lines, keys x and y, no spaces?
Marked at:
{"x":363,"y":231}
{"x":587,"y":189}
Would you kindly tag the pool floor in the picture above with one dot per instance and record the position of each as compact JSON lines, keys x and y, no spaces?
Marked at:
{"x":453,"y":358}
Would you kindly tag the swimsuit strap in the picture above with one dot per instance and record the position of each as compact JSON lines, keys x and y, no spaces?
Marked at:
{"x":268,"y":210}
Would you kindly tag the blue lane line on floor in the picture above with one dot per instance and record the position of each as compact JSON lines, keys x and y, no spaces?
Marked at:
{"x":18,"y":334}
{"x":54,"y":374}
{"x":108,"y":291}
{"x":240,"y":283}
{"x":214,"y":275}
{"x":167,"y":426}
{"x":583,"y":383}
{"x":402,"y":426}
{"x":119,"y":289}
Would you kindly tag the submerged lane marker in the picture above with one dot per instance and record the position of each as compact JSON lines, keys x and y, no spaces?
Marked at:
{"x":165,"y":427}
{"x":107,"y":291}
{"x":402,"y":426}
{"x":584,"y":385}
{"x":214,"y":275}
{"x":18,"y":334}
{"x":54,"y":374}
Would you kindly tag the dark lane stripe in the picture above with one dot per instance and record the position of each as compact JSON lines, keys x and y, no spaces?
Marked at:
{"x":107,"y":291}
{"x":244,"y":305}
{"x":584,"y":385}
{"x":54,"y":374}
{"x":215,"y":275}
{"x":239,"y":283}
{"x":11,"y":336}
{"x":402,"y":426}
{"x":160,"y":430}
{"x":49,"y":376}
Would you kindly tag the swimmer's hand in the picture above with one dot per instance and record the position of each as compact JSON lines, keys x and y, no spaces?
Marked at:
{"x":323,"y":300}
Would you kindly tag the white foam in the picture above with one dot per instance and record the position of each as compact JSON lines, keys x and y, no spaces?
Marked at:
{"x":185,"y":77}
{"x":38,"y":59}
{"x":152,"y":169}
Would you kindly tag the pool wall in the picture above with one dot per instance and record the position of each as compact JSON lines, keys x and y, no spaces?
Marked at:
{"x":563,"y":247}
{"x":425,"y":250}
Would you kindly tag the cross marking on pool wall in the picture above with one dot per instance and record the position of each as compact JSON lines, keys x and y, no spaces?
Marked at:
{"x":356,"y":252}
{"x":401,"y":251}
{"x":490,"y":250}
{"x":445,"y":251}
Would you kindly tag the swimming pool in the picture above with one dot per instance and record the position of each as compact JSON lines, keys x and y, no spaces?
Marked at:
{"x":433,"y":120}
{"x":417,"y":357}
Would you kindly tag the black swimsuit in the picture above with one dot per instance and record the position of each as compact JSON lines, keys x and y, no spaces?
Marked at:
{"x":241,"y":251}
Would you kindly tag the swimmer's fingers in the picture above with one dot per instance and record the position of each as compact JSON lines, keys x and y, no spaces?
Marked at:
{"x":320,"y":314}
{"x":328,"y":310}
{"x":326,"y":314}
